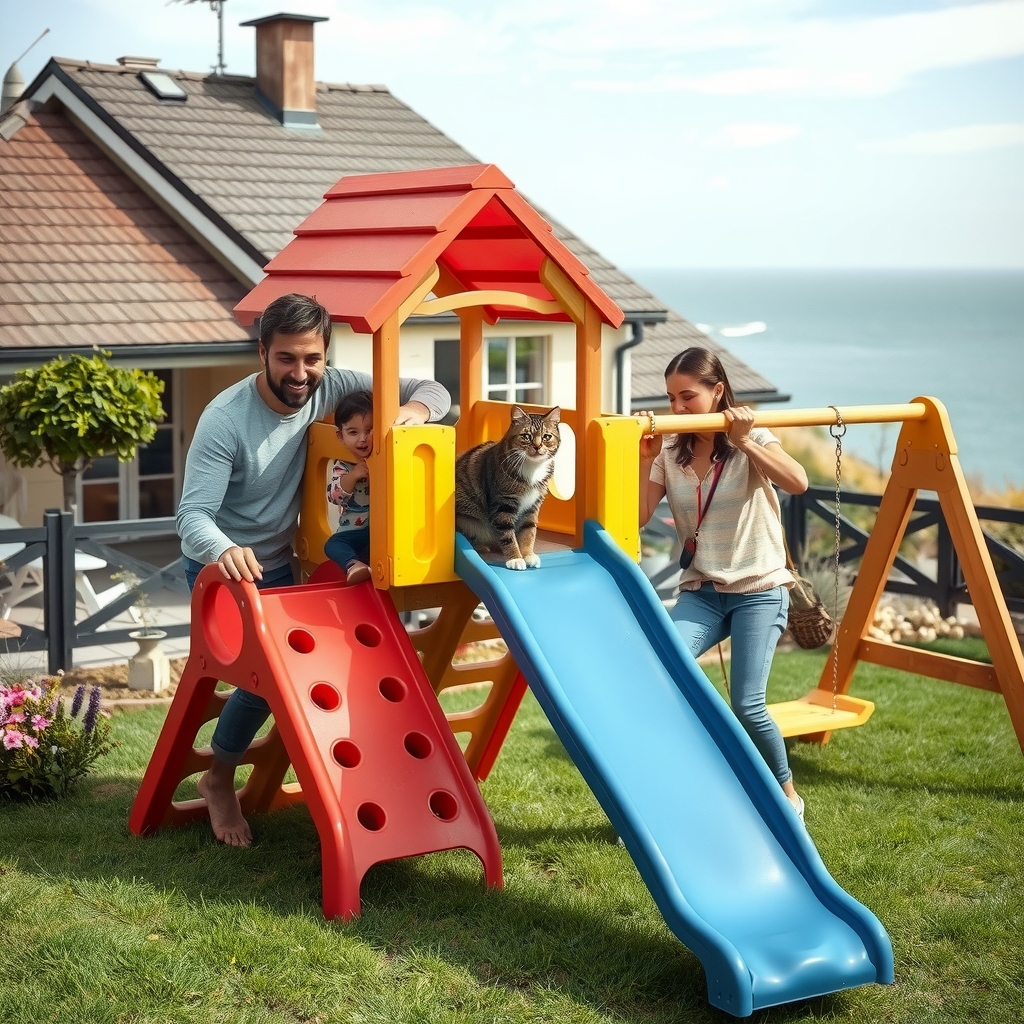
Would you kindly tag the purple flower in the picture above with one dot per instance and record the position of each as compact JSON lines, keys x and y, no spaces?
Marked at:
{"x":89,"y":718}
{"x":12,"y":739}
{"x":76,"y":701}
{"x":39,"y":723}
{"x":30,"y":741}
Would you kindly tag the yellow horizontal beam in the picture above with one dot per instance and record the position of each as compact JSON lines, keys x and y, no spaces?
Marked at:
{"x":716,"y":422}
{"x":486,"y":297}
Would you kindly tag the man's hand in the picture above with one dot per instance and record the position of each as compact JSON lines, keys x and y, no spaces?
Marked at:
{"x":412,"y":414}
{"x":240,"y":564}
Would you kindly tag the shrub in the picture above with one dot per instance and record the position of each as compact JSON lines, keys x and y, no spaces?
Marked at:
{"x":45,"y":746}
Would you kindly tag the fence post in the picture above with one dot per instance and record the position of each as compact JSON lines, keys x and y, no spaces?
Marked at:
{"x":59,"y":584}
{"x":946,"y":568}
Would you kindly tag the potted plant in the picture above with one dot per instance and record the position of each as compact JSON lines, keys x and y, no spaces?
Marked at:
{"x":149,"y":669}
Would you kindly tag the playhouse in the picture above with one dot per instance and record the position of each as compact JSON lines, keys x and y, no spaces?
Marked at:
{"x":353,"y":693}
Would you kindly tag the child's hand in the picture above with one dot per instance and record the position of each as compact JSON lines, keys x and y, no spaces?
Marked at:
{"x":358,"y":472}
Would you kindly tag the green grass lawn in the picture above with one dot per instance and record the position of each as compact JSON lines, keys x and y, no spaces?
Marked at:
{"x":919,"y":814}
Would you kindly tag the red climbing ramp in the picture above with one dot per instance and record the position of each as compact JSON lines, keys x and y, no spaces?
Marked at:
{"x":377,"y":764}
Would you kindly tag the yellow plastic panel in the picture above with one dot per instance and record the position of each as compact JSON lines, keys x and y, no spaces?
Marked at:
{"x":421,"y":505}
{"x":613,"y":459}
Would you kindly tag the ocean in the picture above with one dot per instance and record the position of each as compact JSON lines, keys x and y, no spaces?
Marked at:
{"x":843,"y":337}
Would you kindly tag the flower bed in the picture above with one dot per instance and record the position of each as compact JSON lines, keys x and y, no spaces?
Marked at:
{"x":47,"y":743}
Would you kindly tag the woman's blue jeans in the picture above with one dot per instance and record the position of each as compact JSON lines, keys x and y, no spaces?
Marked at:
{"x":755,"y":622}
{"x":243,"y":712}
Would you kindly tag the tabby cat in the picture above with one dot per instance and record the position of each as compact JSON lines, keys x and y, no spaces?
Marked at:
{"x":499,"y":486}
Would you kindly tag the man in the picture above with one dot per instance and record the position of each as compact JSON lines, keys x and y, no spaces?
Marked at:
{"x":240,"y":500}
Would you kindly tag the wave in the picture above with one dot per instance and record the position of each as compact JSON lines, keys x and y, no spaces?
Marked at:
{"x":744,"y":330}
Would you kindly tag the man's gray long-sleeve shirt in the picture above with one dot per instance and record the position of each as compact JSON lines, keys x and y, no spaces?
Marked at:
{"x":244,"y":467}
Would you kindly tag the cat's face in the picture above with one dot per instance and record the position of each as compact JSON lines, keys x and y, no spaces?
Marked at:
{"x":535,"y":435}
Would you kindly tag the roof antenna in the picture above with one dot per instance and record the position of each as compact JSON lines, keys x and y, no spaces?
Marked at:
{"x":14,"y":84}
{"x":217,"y":6}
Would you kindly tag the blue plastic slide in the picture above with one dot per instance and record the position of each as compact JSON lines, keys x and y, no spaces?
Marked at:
{"x":725,"y":857}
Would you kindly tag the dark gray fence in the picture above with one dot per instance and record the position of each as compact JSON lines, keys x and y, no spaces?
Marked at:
{"x":947,"y":589}
{"x":56,"y":543}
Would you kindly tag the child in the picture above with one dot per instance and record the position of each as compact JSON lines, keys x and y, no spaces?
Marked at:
{"x":349,"y":488}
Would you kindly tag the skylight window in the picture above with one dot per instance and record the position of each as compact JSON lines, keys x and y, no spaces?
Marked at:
{"x":161,"y":84}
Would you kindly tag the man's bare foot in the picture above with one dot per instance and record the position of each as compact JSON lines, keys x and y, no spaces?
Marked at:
{"x":356,"y":573}
{"x":217,"y":788}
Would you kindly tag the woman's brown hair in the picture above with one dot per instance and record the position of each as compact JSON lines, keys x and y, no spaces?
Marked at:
{"x":704,"y":366}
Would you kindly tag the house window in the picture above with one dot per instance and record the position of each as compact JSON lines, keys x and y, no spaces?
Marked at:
{"x":516,"y":369}
{"x":149,"y":485}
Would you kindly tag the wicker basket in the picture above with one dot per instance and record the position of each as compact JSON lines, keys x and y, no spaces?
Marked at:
{"x":810,"y":624}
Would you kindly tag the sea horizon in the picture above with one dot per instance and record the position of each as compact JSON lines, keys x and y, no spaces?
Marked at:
{"x":867,"y":336}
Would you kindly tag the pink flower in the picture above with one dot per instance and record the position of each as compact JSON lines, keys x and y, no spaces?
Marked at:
{"x":39,"y":723}
{"x":16,"y":697}
{"x":16,"y":717}
{"x":35,"y":693}
{"x":12,"y":739}
{"x":30,"y":741}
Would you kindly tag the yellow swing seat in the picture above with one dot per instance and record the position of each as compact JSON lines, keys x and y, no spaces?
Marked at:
{"x":813,"y":713}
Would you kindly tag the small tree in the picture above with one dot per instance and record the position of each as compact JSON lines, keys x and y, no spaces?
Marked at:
{"x":71,"y":411}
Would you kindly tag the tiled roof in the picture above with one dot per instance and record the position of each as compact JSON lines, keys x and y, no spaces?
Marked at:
{"x":375,"y":237}
{"x":86,"y":258}
{"x":663,"y":341}
{"x":263,"y":179}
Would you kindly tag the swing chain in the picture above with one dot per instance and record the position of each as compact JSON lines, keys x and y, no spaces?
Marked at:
{"x":837,"y":430}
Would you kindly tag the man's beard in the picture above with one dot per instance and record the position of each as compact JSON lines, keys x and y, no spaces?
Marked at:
{"x":289,"y":398}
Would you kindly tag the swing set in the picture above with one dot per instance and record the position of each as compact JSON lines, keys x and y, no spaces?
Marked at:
{"x":925,"y":459}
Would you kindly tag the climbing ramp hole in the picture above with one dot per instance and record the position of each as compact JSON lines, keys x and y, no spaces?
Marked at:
{"x":222,"y":623}
{"x":418,"y":745}
{"x":325,"y":696}
{"x":371,"y":817}
{"x":301,"y":640}
{"x":347,"y":754}
{"x":392,"y":689}
{"x":367,"y":635}
{"x":443,"y":805}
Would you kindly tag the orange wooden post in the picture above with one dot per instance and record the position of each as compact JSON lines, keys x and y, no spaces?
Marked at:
{"x":471,"y":373}
{"x":926,"y":459}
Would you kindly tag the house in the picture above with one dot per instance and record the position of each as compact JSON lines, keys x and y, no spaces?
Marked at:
{"x":138,"y":205}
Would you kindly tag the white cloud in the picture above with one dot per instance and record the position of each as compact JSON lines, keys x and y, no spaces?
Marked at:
{"x":746,"y":136}
{"x":868,"y":56}
{"x":967,"y":139}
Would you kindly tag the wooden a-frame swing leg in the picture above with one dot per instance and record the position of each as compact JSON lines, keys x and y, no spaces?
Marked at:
{"x":926,"y":459}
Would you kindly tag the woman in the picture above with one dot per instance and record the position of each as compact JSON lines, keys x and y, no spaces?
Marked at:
{"x":726,"y":513}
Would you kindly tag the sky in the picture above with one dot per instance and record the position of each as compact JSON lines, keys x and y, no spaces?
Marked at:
{"x":669,"y":133}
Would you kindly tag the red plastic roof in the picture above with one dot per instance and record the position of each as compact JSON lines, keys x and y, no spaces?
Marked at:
{"x":374,"y":238}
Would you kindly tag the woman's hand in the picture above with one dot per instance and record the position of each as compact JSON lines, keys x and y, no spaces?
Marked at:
{"x":741,"y":420}
{"x":650,"y":444}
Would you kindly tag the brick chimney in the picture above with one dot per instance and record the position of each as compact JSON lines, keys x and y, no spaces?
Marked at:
{"x":284,"y":67}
